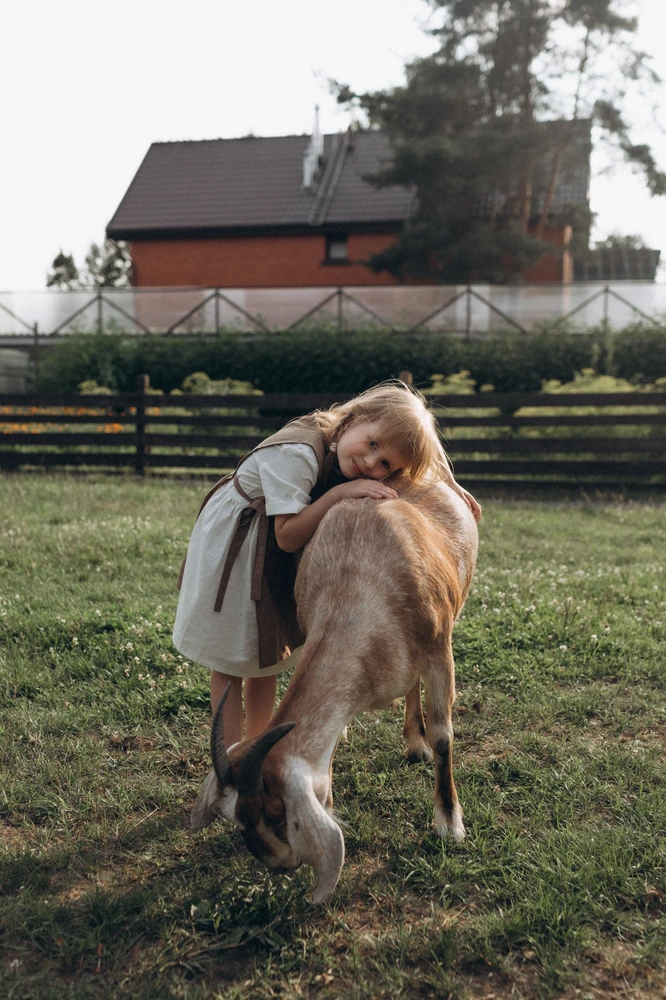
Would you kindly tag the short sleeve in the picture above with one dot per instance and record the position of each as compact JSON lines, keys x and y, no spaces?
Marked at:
{"x":288,"y":473}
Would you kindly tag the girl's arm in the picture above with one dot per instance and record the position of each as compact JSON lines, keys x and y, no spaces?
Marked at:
{"x":292,"y":531}
{"x":457,"y":488}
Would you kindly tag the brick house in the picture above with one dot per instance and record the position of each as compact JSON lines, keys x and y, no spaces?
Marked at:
{"x":285,"y":211}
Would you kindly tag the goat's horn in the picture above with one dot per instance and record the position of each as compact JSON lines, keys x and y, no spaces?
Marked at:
{"x":248,"y":783}
{"x":218,"y":751}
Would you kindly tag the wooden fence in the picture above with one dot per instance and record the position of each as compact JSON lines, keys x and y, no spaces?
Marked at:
{"x":594,"y":440}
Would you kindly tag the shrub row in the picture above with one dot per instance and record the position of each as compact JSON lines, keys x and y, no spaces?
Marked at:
{"x":318,"y":361}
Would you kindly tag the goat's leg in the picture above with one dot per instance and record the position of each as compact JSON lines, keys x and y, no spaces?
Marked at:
{"x":414,"y":726}
{"x":440,"y":694}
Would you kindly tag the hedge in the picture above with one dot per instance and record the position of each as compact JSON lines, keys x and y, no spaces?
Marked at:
{"x":321,"y":361}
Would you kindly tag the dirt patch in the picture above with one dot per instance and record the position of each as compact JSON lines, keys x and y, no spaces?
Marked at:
{"x":126,"y":744}
{"x":16,"y":837}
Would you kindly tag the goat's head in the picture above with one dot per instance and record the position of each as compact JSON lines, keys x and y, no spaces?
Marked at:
{"x":281,"y":820}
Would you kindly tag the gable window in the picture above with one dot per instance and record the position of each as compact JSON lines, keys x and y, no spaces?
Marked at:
{"x":336,"y":248}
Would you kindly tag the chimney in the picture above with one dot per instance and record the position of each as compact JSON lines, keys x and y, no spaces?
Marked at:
{"x":313,"y":153}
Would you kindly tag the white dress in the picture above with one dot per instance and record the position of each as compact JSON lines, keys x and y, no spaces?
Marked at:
{"x":226,"y":640}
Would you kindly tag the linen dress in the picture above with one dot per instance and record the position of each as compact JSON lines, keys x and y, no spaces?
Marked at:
{"x":227,"y":640}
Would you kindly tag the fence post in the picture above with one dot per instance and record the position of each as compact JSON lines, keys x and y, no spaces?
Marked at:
{"x":142,"y":385}
{"x":468,"y":313}
{"x":35,"y":353}
{"x":217,"y":310}
{"x":406,"y":377}
{"x":339,"y":310}
{"x":606,"y":297}
{"x":609,"y":337}
{"x":100,"y":313}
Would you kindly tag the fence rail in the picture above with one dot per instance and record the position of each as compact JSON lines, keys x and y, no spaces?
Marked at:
{"x":583,"y":439}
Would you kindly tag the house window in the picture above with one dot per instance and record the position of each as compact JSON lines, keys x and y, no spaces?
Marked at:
{"x":336,"y":248}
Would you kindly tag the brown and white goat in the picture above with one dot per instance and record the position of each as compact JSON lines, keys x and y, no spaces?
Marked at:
{"x":378,"y":590}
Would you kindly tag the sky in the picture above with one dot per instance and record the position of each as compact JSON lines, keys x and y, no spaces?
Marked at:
{"x":85,"y":87}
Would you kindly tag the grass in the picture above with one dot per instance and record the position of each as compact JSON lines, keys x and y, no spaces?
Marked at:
{"x":559,"y":889}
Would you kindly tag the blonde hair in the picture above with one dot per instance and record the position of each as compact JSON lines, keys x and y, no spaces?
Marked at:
{"x":403,"y":421}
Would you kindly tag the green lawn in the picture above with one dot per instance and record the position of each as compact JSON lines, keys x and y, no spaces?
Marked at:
{"x":559,"y":889}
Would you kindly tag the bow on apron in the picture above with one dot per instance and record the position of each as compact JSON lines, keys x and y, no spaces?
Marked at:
{"x":246,"y":516}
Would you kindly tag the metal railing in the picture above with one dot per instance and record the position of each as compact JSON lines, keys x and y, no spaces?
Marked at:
{"x":466,"y":310}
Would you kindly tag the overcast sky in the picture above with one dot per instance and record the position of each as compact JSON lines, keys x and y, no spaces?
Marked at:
{"x":86,"y":87}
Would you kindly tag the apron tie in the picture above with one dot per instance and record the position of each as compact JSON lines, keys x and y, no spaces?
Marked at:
{"x":245,"y":518}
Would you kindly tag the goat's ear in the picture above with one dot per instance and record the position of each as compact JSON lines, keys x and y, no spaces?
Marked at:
{"x":317,"y":839}
{"x":208,"y":803}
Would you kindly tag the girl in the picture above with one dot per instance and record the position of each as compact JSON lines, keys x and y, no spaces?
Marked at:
{"x":236,"y":612}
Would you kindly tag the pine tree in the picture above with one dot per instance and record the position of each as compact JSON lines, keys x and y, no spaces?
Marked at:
{"x":485,"y":128}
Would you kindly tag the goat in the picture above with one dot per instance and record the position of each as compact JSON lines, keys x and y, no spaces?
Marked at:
{"x":378,"y":590}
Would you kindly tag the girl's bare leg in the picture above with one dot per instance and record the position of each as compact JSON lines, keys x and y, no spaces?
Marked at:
{"x":259,"y":703}
{"x":233,"y":710}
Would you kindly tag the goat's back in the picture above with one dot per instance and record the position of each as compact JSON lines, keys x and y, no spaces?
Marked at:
{"x":374,"y":565}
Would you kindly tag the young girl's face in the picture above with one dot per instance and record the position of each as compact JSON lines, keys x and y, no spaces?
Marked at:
{"x":361,"y":454}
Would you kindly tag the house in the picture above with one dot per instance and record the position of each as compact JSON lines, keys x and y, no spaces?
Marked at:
{"x":284,"y":211}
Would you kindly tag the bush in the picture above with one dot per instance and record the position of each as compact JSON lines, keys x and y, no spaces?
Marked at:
{"x":324,"y":361}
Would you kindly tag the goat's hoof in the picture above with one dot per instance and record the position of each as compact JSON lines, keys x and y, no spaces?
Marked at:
{"x":450,"y":827}
{"x":422,"y":753}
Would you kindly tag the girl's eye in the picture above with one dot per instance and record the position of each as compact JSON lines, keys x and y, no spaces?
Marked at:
{"x":387,"y":465}
{"x":374,"y":444}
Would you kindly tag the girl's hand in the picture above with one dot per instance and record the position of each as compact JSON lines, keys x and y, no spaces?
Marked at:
{"x":469,"y":500}
{"x":357,"y":488}
{"x":473,"y":505}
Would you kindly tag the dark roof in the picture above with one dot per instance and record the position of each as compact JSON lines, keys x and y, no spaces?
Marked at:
{"x":257,"y":183}
{"x":218,"y":186}
{"x":617,"y":264}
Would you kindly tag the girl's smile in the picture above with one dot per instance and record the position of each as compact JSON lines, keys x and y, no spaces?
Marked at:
{"x":362,"y":455}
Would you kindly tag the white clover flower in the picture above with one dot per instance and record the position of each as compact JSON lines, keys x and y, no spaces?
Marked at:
{"x":97,"y":611}
{"x":593,"y":637}
{"x":563,"y":648}
{"x":75,"y":641}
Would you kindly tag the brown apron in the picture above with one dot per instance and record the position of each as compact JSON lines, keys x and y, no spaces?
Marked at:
{"x":274,"y":571}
